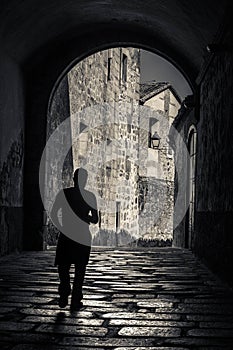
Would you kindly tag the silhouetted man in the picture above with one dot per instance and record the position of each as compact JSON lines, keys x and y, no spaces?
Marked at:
{"x":79,"y":209}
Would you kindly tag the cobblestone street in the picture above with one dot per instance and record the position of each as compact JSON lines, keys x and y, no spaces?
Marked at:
{"x":154,"y":299}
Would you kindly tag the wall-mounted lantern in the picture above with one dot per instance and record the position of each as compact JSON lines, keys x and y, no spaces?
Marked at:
{"x":155,"y":140}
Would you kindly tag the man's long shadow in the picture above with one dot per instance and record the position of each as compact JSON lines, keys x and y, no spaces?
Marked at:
{"x":60,"y":318}
{"x":59,"y":323}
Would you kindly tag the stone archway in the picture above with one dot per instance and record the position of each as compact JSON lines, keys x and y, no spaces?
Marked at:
{"x":43,"y":63}
{"x":41,"y":79}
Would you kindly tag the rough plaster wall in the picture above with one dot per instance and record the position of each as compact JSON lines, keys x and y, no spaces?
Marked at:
{"x":158,"y":169}
{"x":156,"y":102}
{"x":156,"y":208}
{"x":11,"y":155}
{"x":214,"y":218}
{"x":174,"y":106}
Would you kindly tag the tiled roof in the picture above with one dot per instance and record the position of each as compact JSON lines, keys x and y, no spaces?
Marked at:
{"x":152,"y":88}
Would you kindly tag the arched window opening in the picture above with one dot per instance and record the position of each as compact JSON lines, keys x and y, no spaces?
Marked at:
{"x":192,"y":149}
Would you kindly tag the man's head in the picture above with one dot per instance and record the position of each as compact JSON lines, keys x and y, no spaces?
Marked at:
{"x":80,"y":178}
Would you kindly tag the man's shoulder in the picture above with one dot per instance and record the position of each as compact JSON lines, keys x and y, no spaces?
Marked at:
{"x":89,"y":197}
{"x":74,"y":192}
{"x":90,"y":194}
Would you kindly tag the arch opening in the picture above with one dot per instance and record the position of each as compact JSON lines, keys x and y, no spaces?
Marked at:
{"x":109,"y":82}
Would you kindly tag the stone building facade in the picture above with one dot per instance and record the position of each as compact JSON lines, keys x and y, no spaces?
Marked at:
{"x":103,"y":92}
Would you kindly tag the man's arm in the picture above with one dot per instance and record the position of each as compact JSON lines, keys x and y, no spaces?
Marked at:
{"x":93,"y":218}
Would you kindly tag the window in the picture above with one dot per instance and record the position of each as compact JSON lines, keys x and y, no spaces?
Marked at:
{"x":124,"y":68}
{"x":82,"y":127}
{"x":109,"y":68}
{"x":128,"y":165}
{"x":118,"y":213}
{"x":192,"y":148}
{"x":108,"y":171}
{"x":100,"y":219}
{"x":152,"y":122}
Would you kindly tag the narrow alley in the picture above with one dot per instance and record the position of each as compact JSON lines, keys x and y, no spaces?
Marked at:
{"x":136,"y":298}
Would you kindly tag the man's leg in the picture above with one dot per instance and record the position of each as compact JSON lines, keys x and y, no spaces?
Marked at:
{"x":77,"y":294}
{"x":64,"y":287}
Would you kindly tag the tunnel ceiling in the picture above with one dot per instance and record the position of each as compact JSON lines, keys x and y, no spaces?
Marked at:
{"x":180,"y":28}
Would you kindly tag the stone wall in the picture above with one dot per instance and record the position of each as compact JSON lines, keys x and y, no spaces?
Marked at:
{"x":214,"y":218}
{"x":212,"y":238}
{"x":11,"y":156}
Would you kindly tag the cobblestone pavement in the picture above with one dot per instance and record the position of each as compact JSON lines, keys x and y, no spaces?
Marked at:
{"x":141,"y":299}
